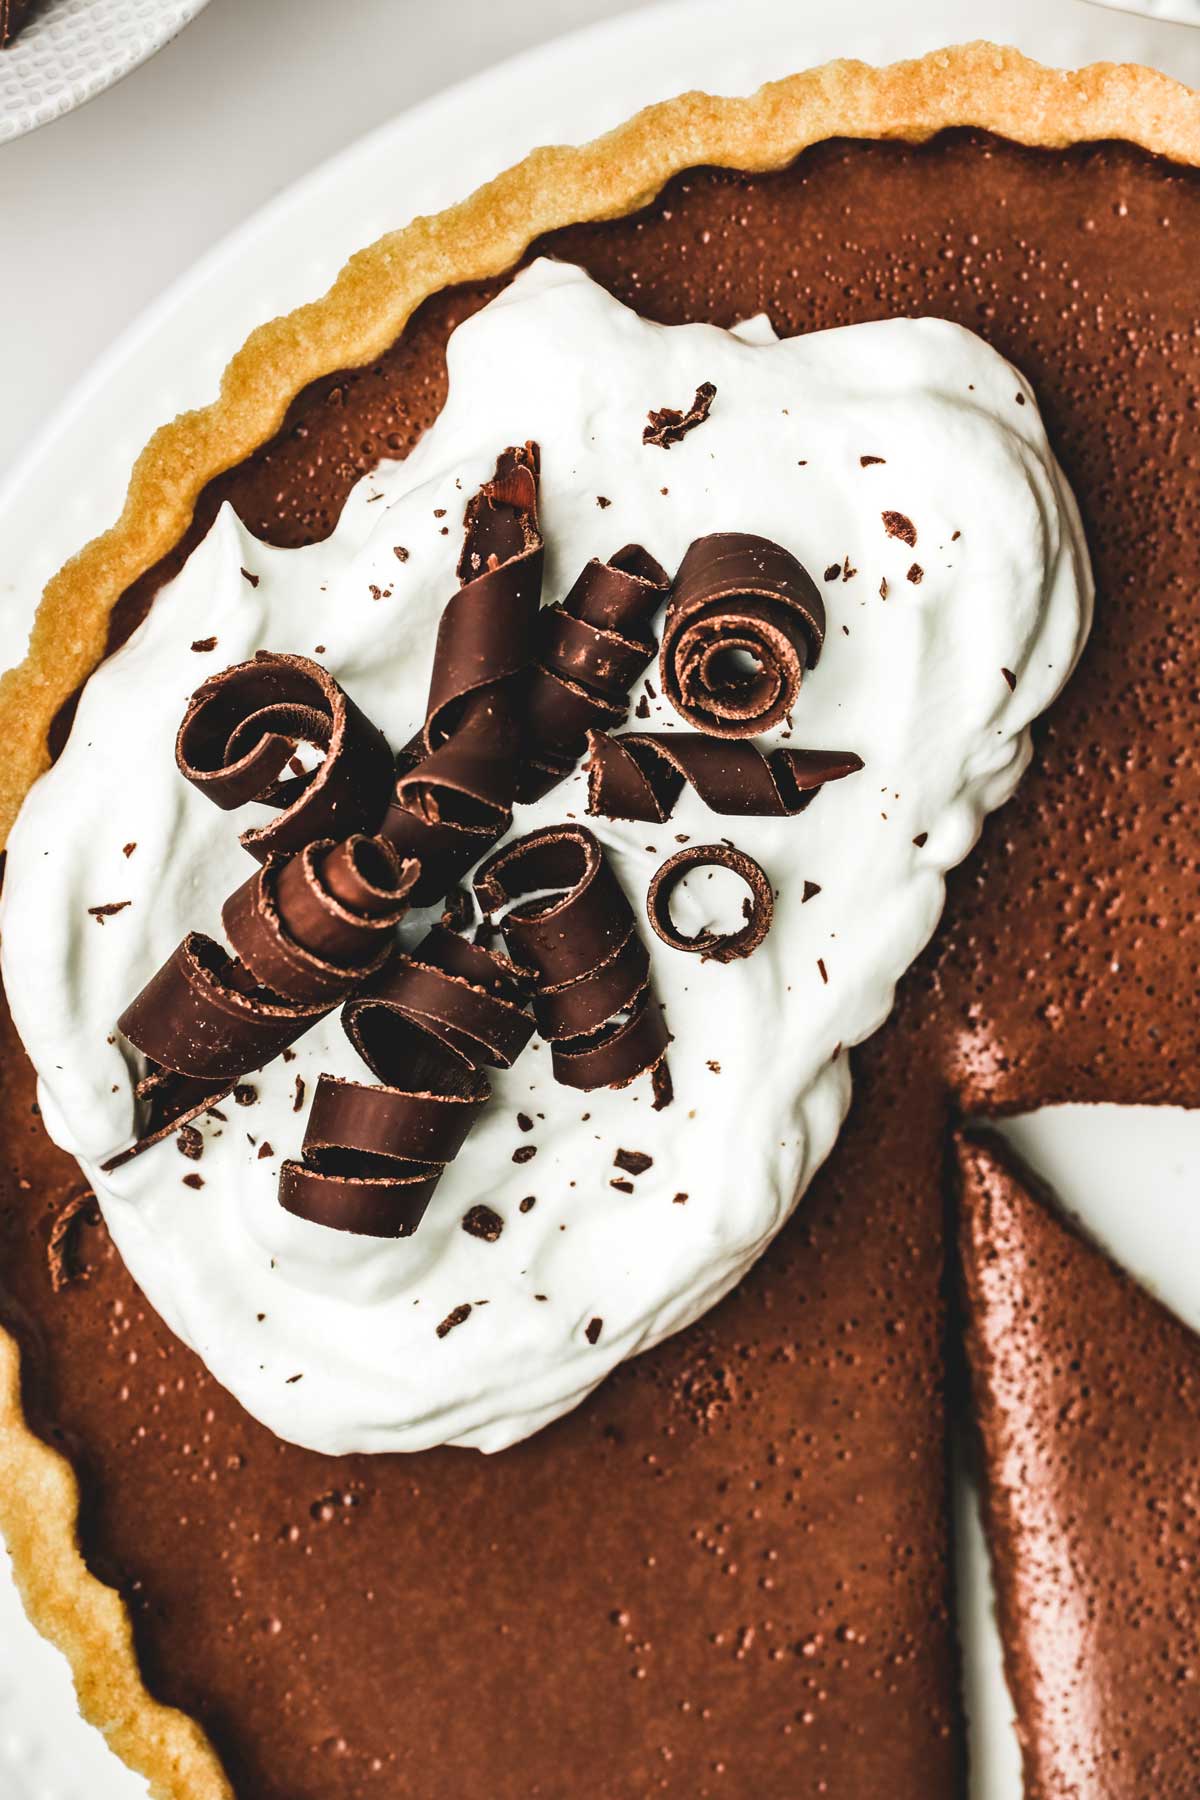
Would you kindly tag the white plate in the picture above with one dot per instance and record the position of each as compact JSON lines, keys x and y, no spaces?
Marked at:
{"x":71,"y":482}
{"x":73,"y":49}
{"x":1182,"y":12}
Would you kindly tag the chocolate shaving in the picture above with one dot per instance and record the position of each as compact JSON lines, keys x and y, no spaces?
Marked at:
{"x":899,"y":525}
{"x":203,"y":1022}
{"x":239,"y":735}
{"x":739,"y":600}
{"x":712,"y":946}
{"x":640,"y":775}
{"x":204,"y":1016}
{"x":80,"y":1208}
{"x":663,"y":1086}
{"x":457,"y":1317}
{"x":589,"y":652}
{"x":168,"y":1101}
{"x":483,"y":1222}
{"x":190,"y":1143}
{"x":634,"y":1162}
{"x":308,"y":929}
{"x":100,"y":913}
{"x":469,"y":998}
{"x":454,"y":793}
{"x":668,"y":425}
{"x":590,"y":969}
{"x":318,"y":925}
{"x":373,"y":1155}
{"x":459,"y":911}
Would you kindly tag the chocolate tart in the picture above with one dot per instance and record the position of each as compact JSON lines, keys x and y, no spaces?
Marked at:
{"x":727,"y":1572}
{"x":1087,"y":1397}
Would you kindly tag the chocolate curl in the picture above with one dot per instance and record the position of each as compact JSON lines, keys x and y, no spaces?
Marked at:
{"x":454,"y":792}
{"x":203,"y":1015}
{"x":241,"y":730}
{"x":641,"y":774}
{"x":736,"y":599}
{"x":308,"y":930}
{"x":203,"y":1022}
{"x":592,"y":997}
{"x":373,"y":1155}
{"x":711,"y":946}
{"x":590,"y":651}
{"x":318,"y":925}
{"x":468,"y":997}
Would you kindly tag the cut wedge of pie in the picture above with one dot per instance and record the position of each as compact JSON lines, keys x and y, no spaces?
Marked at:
{"x":1087,"y":1397}
{"x":724,"y":1570}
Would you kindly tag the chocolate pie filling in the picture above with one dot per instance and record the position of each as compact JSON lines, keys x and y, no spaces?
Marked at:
{"x":726,"y":1573}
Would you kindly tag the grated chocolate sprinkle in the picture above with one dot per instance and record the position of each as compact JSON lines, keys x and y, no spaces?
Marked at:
{"x":454,"y":1318}
{"x":482,"y":1222}
{"x":189,"y":1142}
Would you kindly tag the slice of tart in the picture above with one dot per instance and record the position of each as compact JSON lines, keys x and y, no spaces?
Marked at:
{"x":726,"y":1570}
{"x":1087,"y":1402}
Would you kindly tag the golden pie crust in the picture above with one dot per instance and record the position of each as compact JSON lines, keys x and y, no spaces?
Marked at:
{"x":977,"y":85}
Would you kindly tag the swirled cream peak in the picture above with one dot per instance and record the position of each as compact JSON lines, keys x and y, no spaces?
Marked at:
{"x":905,"y":464}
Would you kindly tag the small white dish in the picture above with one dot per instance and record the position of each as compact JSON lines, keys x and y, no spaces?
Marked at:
{"x":71,"y":50}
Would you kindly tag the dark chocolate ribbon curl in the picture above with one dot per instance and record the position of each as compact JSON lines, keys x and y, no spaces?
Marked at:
{"x":241,"y":730}
{"x":591,"y":970}
{"x":373,"y":1155}
{"x":739,"y":599}
{"x":203,"y":1022}
{"x":454,"y":793}
{"x":641,"y":774}
{"x":308,"y":930}
{"x":711,"y":946}
{"x":203,"y":1015}
{"x":318,"y":925}
{"x":590,"y":650}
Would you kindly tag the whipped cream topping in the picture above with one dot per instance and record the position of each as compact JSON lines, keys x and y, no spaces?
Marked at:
{"x":939,"y":654}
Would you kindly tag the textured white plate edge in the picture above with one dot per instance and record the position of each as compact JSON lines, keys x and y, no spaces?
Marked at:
{"x":568,"y":89}
{"x":97,"y":77}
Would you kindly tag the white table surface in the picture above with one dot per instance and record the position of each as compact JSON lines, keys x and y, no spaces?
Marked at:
{"x":102,"y":210}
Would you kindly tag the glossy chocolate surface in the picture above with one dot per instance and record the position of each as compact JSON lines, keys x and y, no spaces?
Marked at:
{"x":726,"y":1574}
